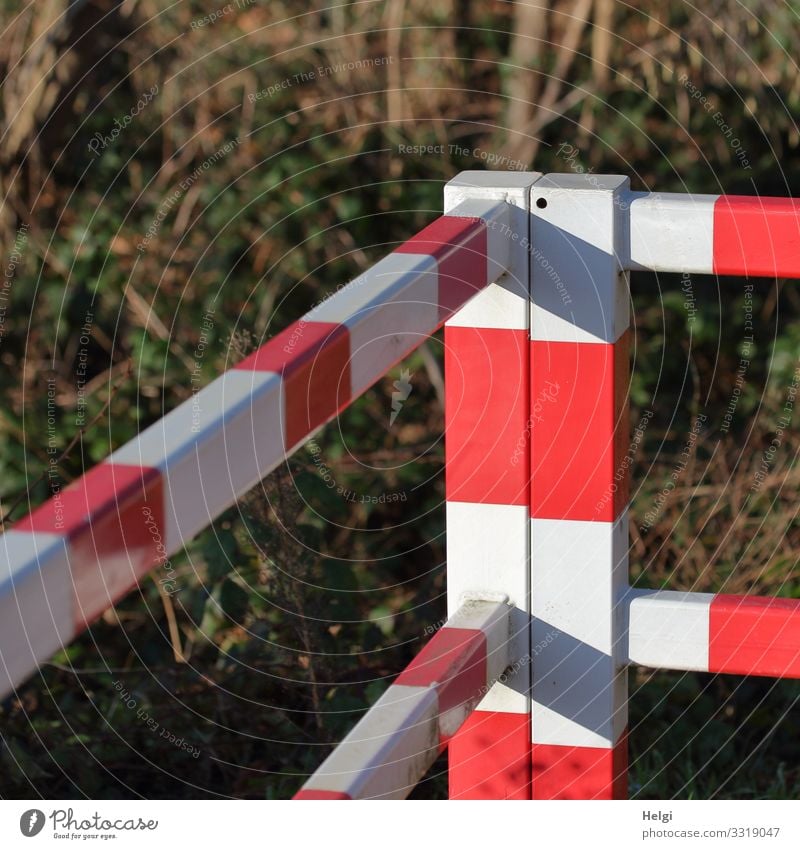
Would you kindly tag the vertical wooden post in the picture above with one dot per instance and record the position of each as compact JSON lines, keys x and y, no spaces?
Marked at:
{"x":487,"y":450}
{"x":579,"y":488}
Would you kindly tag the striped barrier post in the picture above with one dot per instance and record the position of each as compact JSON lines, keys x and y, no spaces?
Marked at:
{"x":392,"y":747}
{"x":579,"y":500}
{"x":487,"y":460}
{"x":81,"y":551}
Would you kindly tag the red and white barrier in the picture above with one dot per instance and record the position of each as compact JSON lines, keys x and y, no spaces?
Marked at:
{"x":714,"y":234}
{"x":82,"y":550}
{"x":530,"y":275}
{"x":393,"y":746}
{"x":487,"y":462}
{"x":579,"y":501}
{"x":736,"y":634}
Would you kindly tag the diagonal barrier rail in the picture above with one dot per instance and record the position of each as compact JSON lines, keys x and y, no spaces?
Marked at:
{"x":81,"y":551}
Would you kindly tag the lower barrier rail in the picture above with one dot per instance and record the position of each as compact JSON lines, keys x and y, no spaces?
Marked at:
{"x":394,"y":745}
{"x":391,"y":748}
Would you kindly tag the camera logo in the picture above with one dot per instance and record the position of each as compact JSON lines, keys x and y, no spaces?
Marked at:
{"x":31,"y":822}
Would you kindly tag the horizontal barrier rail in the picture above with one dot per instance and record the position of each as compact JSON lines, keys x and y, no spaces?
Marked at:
{"x":394,"y":745}
{"x":81,"y":551}
{"x":714,"y":234}
{"x":736,"y":634}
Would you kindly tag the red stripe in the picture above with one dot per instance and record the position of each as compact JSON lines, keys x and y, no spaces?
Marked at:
{"x":102,"y":492}
{"x":749,"y":635}
{"x":489,"y":757}
{"x":486,"y":412}
{"x":580,"y":772}
{"x":313,"y":358}
{"x":455,"y":661}
{"x":756,"y":236}
{"x":114,"y":519}
{"x":320,"y":794}
{"x":579,"y":430}
{"x":459,"y":247}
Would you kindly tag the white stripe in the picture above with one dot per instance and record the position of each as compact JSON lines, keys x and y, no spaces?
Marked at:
{"x":388,"y":751}
{"x":579,"y":292}
{"x":669,"y":630}
{"x":672,"y":232}
{"x":389,"y":310}
{"x":511,"y":186}
{"x":212,"y":449}
{"x":501,"y":305}
{"x":487,"y":555}
{"x":36,"y":603}
{"x":579,"y":572}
